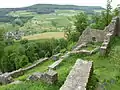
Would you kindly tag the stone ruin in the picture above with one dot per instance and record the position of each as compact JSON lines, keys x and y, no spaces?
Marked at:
{"x":104,"y":36}
{"x":92,"y":35}
{"x":78,"y":77}
{"x":113,"y":30}
{"x":7,"y":78}
{"x":48,"y":77}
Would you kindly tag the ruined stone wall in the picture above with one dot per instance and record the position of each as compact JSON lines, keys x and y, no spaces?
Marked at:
{"x":78,"y":77}
{"x":113,"y":30}
{"x":6,"y":78}
{"x":90,"y":35}
{"x":93,"y":35}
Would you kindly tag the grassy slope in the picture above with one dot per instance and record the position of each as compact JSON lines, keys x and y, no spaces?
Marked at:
{"x":63,"y":71}
{"x":106,"y":69}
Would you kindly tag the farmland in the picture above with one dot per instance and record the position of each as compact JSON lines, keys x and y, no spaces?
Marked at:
{"x":46,"y":35}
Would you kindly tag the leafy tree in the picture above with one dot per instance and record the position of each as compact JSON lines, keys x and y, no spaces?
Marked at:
{"x":81,"y":22}
{"x":2,"y":30}
{"x":116,"y":11}
{"x":67,"y":32}
{"x":71,"y":34}
{"x":23,"y":61}
{"x":108,"y":11}
{"x":101,"y":20}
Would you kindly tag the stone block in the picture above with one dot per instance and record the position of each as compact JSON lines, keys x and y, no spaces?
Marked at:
{"x":56,"y":57}
{"x":50,"y":77}
{"x":5,"y":78}
{"x":103,"y":51}
{"x":36,"y":76}
{"x":55,"y":64}
{"x":78,"y":77}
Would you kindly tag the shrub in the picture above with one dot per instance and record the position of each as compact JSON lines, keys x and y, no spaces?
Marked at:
{"x":23,"y":61}
{"x":24,"y":41}
{"x":74,"y":36}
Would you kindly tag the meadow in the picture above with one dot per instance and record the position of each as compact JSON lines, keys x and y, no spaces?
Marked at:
{"x":46,"y":35}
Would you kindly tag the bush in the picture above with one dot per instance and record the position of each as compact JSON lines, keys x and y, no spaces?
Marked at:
{"x":24,"y":41}
{"x":74,"y":36}
{"x":20,"y":54}
{"x":23,"y":61}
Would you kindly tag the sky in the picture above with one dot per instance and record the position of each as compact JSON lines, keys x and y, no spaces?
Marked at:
{"x":23,"y":3}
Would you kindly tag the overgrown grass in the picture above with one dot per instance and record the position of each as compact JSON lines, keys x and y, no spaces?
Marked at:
{"x":106,"y":69}
{"x":62,"y":70}
{"x":41,"y":68}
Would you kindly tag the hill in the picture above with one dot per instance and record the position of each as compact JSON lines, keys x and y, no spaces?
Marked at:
{"x":50,"y":8}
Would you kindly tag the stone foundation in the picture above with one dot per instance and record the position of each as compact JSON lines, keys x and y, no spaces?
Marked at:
{"x":6,"y":78}
{"x":49,"y":77}
{"x":78,"y":77}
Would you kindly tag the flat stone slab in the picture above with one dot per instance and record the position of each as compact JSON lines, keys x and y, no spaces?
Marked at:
{"x":56,"y":57}
{"x":56,"y":63}
{"x":16,"y":82}
{"x":78,"y":76}
{"x":82,"y":52}
{"x":80,"y":46}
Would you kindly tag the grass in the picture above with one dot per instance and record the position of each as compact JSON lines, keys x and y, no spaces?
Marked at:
{"x":41,"y":68}
{"x":62,"y":70}
{"x":106,"y":70}
{"x":46,"y":35}
{"x":91,"y":46}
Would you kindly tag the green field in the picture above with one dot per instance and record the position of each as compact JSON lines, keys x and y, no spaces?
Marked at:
{"x":42,"y":22}
{"x":46,"y":35}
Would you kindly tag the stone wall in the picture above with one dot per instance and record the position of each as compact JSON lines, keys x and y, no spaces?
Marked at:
{"x":57,"y":63}
{"x":90,"y":35}
{"x":113,"y":30}
{"x":93,"y":35}
{"x":78,"y":77}
{"x":48,"y":77}
{"x":6,"y":78}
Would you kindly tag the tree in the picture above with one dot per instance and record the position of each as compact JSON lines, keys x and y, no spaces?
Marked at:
{"x":2,"y":30}
{"x":108,"y":10}
{"x":101,"y":20}
{"x":116,"y":11}
{"x":71,"y":34}
{"x":81,"y":22}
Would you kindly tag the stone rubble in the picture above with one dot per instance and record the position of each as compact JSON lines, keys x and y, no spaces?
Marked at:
{"x":48,"y":77}
{"x":6,"y":78}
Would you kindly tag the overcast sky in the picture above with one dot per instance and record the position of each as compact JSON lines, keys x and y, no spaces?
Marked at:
{"x":23,"y":3}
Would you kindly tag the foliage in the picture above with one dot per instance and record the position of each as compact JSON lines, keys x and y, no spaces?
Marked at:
{"x":116,"y":12}
{"x":101,"y":20}
{"x":2,"y":45}
{"x":22,"y":53}
{"x":23,"y":41}
{"x":108,"y":11}
{"x":81,"y":22}
{"x":71,"y":34}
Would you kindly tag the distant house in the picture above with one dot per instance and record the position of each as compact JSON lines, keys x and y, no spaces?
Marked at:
{"x":17,"y":35}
